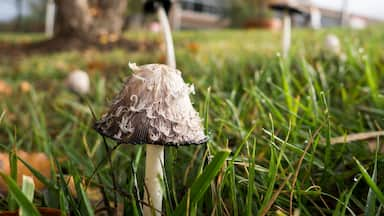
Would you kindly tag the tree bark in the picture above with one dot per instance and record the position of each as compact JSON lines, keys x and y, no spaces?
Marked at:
{"x":90,"y":19}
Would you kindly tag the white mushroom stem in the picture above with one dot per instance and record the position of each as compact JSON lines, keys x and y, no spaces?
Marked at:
{"x":153,"y":194}
{"x":155,"y":153}
{"x":286,"y":33}
{"x":171,"y":60}
{"x":50,"y":18}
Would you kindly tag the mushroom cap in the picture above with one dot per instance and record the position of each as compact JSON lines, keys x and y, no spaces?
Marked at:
{"x":332,"y":43}
{"x":153,"y":108}
{"x":150,"y":5}
{"x":291,"y":6}
{"x":78,"y":82}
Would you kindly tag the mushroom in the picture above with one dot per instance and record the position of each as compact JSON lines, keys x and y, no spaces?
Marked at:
{"x":288,"y":7}
{"x":50,"y":18}
{"x":153,"y":108}
{"x":332,"y":44}
{"x":150,"y":6}
{"x":162,"y":7}
{"x":78,"y":82}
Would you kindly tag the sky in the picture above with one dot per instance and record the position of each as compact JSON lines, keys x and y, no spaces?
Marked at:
{"x":371,"y":8}
{"x":7,"y":10}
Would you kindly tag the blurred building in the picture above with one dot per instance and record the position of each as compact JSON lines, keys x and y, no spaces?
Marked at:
{"x":323,"y":17}
{"x":186,"y":14}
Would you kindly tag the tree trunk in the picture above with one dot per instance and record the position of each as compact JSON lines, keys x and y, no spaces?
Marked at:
{"x":90,"y":19}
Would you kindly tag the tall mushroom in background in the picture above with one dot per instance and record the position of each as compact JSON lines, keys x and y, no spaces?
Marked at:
{"x":288,"y":8}
{"x":162,"y":7}
{"x":332,"y":44}
{"x":153,"y":108}
{"x":50,"y":18}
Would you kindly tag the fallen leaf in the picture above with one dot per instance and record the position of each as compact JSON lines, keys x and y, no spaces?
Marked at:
{"x":193,"y":47}
{"x":5,"y":88}
{"x":93,"y":193}
{"x":94,"y":11}
{"x":95,"y":66}
{"x":113,"y":37}
{"x":162,"y":59}
{"x":39,"y":161}
{"x":25,"y":86}
{"x":103,"y":39}
{"x":44,"y":211}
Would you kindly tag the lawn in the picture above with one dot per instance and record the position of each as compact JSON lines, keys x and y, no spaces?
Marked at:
{"x":273,"y":125}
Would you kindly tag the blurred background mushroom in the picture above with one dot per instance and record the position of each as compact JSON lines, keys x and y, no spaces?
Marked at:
{"x":332,"y":44}
{"x":288,"y":8}
{"x":50,"y":18}
{"x":78,"y":82}
{"x":153,"y":108}
{"x":151,"y":6}
{"x":162,"y":7}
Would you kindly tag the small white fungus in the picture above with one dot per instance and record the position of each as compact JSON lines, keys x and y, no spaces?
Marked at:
{"x":78,"y":81}
{"x":332,"y":44}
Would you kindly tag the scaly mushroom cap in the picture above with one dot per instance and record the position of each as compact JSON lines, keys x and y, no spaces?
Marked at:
{"x":153,"y":108}
{"x":291,"y":6}
{"x":150,"y":5}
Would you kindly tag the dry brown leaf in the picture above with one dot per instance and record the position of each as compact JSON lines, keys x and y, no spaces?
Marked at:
{"x":94,"y":11}
{"x":39,"y":161}
{"x":95,"y":66}
{"x":93,"y":193}
{"x":113,"y":37}
{"x":193,"y":47}
{"x":162,"y":59}
{"x":103,"y":39}
{"x":44,"y":211}
{"x":5,"y":88}
{"x":25,"y":86}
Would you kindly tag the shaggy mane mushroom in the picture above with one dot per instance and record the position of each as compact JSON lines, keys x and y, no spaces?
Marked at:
{"x":153,"y":108}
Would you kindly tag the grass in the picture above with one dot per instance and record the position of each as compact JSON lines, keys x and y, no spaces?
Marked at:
{"x":270,"y":122}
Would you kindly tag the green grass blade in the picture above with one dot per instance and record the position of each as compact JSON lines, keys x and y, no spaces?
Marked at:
{"x":370,"y":181}
{"x":370,"y":207}
{"x":2,"y":116}
{"x":233,"y":187}
{"x":371,"y":79}
{"x":201,"y":184}
{"x":63,"y":203}
{"x":28,"y":189}
{"x":37,"y":174}
{"x":251,"y":180}
{"x":84,"y":201}
{"x":348,"y":197}
{"x":286,"y":83}
{"x":18,"y":195}
{"x":13,"y":166}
